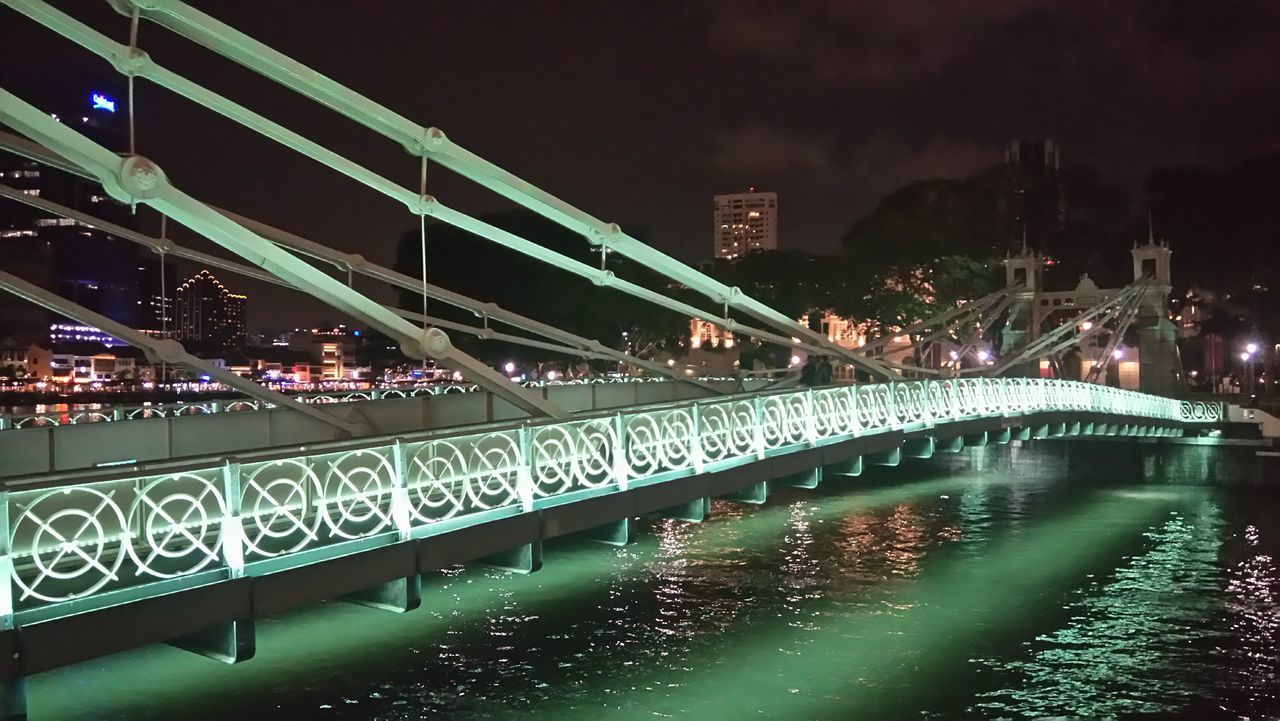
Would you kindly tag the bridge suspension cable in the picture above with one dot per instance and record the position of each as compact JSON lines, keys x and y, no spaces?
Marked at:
{"x":573,"y":345}
{"x":426,"y":142}
{"x":1069,"y":332}
{"x":167,"y":351}
{"x":133,"y":62}
{"x":138,"y":180}
{"x":162,"y":246}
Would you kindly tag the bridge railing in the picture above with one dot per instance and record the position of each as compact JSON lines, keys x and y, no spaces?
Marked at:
{"x":234,"y":405}
{"x":93,"y":538}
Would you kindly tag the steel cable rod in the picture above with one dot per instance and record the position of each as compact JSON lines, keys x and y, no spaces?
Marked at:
{"x":139,"y":64}
{"x":138,"y":180}
{"x":167,"y":351}
{"x":431,"y":142}
{"x":164,"y":246}
{"x":573,"y":345}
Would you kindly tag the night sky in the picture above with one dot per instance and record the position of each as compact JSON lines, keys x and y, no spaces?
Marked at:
{"x":640,"y":112}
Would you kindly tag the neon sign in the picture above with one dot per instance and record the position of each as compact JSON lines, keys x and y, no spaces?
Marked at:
{"x":102,"y":102}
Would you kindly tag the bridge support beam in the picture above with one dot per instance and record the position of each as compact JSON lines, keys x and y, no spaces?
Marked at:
{"x":953,"y":444}
{"x":804,"y":479}
{"x":695,"y":511}
{"x":399,"y":596}
{"x":13,"y":699}
{"x":847,"y":469}
{"x":891,"y":457}
{"x":1073,"y":428}
{"x":525,"y":558}
{"x":756,"y":494}
{"x":1021,"y":434}
{"x":618,"y":533}
{"x":919,"y":447}
{"x":975,"y":440}
{"x":229,"y":642}
{"x":1040,"y":431}
{"x":1000,"y":437}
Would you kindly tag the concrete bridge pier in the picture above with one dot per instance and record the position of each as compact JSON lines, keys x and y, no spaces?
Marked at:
{"x":695,"y":511}
{"x":616,"y":533}
{"x":804,"y":479}
{"x":919,"y":447}
{"x":229,"y":642}
{"x":525,"y":558}
{"x":891,"y":457}
{"x":850,"y":468}
{"x":13,"y":699}
{"x":400,"y":595}
{"x":755,"y":494}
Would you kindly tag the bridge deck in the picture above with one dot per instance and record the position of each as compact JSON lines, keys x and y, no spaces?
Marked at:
{"x":99,"y":561}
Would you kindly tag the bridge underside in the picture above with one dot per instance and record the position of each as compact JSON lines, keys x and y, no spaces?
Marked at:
{"x":216,"y":618}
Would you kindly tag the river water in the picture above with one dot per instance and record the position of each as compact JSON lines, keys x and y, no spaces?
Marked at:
{"x":899,"y":596}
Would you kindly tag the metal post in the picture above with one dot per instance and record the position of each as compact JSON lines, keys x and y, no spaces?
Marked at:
{"x":232,"y":523}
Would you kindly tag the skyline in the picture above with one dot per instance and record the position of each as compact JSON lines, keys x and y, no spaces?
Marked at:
{"x":806,"y":102}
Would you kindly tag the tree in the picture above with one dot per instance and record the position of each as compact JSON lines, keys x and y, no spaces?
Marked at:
{"x":490,"y":272}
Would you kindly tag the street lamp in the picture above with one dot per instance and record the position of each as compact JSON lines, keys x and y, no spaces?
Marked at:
{"x":1246,"y":357}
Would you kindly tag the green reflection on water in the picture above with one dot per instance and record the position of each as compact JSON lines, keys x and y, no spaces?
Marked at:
{"x":871,"y":662}
{"x":866,"y":603}
{"x":1128,"y":631}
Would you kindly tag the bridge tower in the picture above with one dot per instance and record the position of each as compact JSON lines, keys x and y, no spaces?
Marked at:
{"x":1025,"y":269}
{"x":1159,"y":366}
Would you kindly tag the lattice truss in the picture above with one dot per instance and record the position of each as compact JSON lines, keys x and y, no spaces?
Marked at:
{"x":96,"y":536}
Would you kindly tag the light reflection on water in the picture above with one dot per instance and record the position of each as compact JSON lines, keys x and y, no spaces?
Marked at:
{"x":963,"y":597}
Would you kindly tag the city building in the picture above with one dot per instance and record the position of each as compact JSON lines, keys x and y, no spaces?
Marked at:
{"x":1033,"y":203}
{"x":208,"y":314}
{"x":156,"y":288}
{"x":83,"y":264}
{"x":745,"y":222}
{"x":72,"y":367}
{"x":337,"y":352}
{"x":23,"y":360}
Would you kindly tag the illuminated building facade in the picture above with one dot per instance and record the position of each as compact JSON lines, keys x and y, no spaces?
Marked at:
{"x":208,"y":314}
{"x":745,"y":222}
{"x":83,"y":264}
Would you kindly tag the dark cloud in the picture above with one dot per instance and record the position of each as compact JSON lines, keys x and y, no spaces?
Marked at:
{"x":753,"y":149}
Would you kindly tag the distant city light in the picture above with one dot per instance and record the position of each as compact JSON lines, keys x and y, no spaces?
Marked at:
{"x":1251,"y":348}
{"x":1244,"y":355}
{"x":795,"y":360}
{"x":551,"y":375}
{"x":509,"y":367}
{"x":1118,"y":353}
{"x":1086,"y":326}
{"x":102,"y":102}
{"x":671,"y":361}
{"x":984,"y":354}
{"x":954,"y":355}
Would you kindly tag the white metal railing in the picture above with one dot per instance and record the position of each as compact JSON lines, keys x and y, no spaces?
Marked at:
{"x":233,"y":405}
{"x":106,"y":537}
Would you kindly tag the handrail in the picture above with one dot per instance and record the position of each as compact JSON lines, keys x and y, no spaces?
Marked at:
{"x":265,"y":511}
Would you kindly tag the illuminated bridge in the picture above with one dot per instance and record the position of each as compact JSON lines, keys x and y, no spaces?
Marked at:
{"x":168,"y":525}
